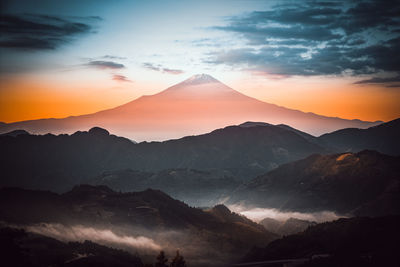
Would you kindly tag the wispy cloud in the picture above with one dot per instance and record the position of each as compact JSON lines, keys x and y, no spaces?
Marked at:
{"x":160,"y":68}
{"x":101,"y":236}
{"x":113,"y":57}
{"x":391,"y":81}
{"x":120,"y":78}
{"x":172,"y":71}
{"x":42,"y":32}
{"x":258,"y":214}
{"x":151,"y":66}
{"x":100,"y":64}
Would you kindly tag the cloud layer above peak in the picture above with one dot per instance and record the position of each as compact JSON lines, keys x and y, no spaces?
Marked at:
{"x":315,"y":38}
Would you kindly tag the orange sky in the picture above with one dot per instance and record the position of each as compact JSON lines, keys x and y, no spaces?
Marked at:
{"x":30,"y":98}
{"x":268,"y":50}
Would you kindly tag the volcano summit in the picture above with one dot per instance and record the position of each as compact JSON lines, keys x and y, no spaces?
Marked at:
{"x":196,"y":105}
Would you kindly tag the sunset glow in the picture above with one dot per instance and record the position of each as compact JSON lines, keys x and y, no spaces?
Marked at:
{"x":201,"y":133}
{"x":104,"y":54}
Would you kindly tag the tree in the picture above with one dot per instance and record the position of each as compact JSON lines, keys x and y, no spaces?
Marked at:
{"x":178,"y":261}
{"x":161,"y":260}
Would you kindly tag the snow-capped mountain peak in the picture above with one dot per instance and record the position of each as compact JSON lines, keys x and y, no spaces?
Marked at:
{"x":200,"y":79}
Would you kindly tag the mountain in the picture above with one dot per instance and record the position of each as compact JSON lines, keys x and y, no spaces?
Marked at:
{"x":197,"y":188}
{"x":364,"y":183}
{"x":101,"y":206}
{"x":383,"y":138}
{"x":22,"y":248}
{"x":345,"y":242}
{"x":59,"y":162}
{"x":196,"y":105}
{"x":14,"y":133}
{"x":286,"y":227}
{"x":148,"y":215}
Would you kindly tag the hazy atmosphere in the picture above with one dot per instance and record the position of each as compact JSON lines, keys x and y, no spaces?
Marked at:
{"x":76,"y":57}
{"x":170,"y":133}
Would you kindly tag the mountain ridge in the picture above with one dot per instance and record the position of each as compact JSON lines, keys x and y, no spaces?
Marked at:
{"x":66,"y":160}
{"x":198,"y":105}
{"x":366,"y":183}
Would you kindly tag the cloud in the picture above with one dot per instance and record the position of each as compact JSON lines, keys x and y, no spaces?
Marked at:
{"x":120,"y":78}
{"x":100,"y":64}
{"x":392,"y":81}
{"x":113,"y":57}
{"x":172,"y":71}
{"x":151,"y":66}
{"x":109,"y":65}
{"x":162,"y":69}
{"x":101,"y":236}
{"x":315,"y":38}
{"x":258,"y":214}
{"x":42,"y":32}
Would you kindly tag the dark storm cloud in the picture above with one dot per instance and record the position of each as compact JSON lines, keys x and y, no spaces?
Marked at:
{"x":41,"y":32}
{"x":316,"y":38}
{"x":105,"y":64}
{"x":120,"y":78}
{"x":370,"y":14}
{"x":160,"y":68}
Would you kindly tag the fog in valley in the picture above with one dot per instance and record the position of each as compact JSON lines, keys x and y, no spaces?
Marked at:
{"x":258,"y":214}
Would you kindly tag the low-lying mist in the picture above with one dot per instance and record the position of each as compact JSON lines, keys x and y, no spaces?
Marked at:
{"x":258,"y":214}
{"x":101,"y":236}
{"x":200,"y":249}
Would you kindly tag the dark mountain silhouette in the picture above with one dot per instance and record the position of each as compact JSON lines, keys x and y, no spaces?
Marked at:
{"x":137,"y":213}
{"x":21,"y":248}
{"x":59,"y":162}
{"x":197,"y":105}
{"x":364,"y":183}
{"x":286,"y":227}
{"x":99,"y":205}
{"x":14,"y":133}
{"x":225,"y":215}
{"x":383,"y":138}
{"x":195,"y":187}
{"x":345,"y":242}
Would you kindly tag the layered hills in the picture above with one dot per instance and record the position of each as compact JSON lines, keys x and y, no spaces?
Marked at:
{"x":383,"y":138}
{"x":151,"y":214}
{"x":363,"y":183}
{"x":59,"y":162}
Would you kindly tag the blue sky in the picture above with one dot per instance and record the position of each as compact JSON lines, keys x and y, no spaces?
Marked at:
{"x":145,"y":46}
{"x":283,"y":38}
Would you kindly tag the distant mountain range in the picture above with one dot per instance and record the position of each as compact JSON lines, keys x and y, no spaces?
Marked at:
{"x":196,"y":105}
{"x":383,"y":138}
{"x":196,"y":187}
{"x":59,"y":162}
{"x":198,"y":169}
{"x":286,"y":227}
{"x":363,"y":183}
